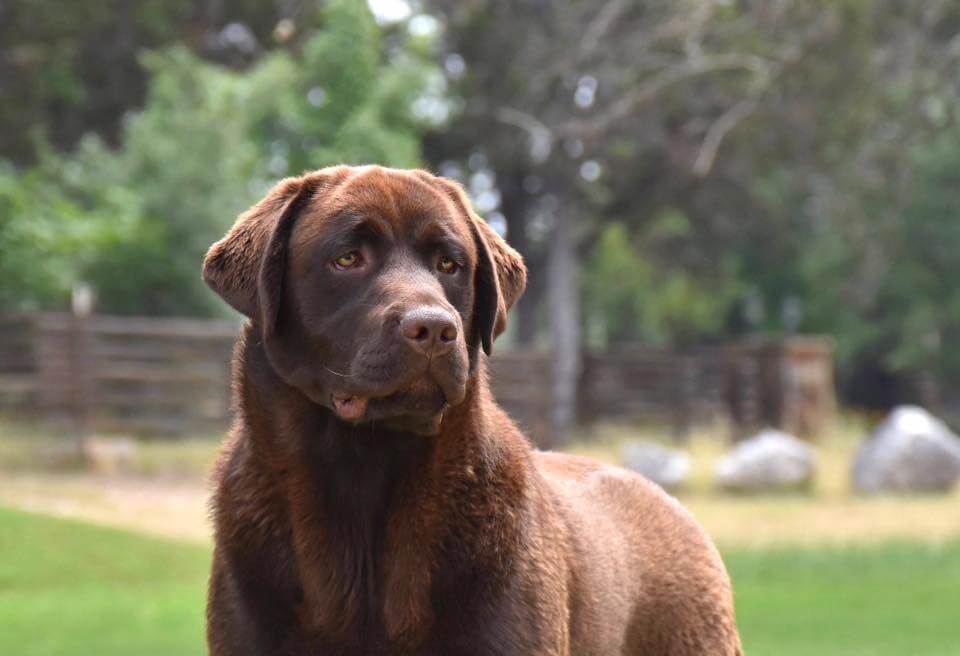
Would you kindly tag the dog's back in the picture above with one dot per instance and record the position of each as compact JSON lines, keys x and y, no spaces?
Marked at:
{"x":639,"y":561}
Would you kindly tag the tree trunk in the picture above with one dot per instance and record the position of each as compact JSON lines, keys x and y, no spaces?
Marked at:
{"x":515,"y":203}
{"x":526,"y":313}
{"x":562,"y":293}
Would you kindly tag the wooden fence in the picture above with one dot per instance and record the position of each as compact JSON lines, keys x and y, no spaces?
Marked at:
{"x":171,"y":376}
{"x":143,"y":375}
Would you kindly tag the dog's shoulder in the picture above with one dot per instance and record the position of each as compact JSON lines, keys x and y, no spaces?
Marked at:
{"x":641,"y":510}
{"x":646,"y":537}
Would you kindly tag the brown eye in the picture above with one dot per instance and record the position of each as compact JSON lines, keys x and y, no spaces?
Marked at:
{"x":348,"y":260}
{"x":446,"y":265}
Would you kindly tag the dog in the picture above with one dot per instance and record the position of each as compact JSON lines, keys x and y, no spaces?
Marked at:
{"x":373,"y":499}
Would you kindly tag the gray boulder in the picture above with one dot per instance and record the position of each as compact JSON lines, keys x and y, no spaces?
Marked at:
{"x":770,"y":461}
{"x":668,"y":468}
{"x":911,"y":451}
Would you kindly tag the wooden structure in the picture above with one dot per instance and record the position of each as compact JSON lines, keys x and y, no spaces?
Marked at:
{"x":786,"y":383}
{"x":117,"y":374}
{"x":171,"y":376}
{"x":679,"y":388}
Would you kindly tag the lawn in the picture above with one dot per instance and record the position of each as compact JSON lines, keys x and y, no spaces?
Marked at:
{"x":73,"y":589}
{"x":896,"y":599}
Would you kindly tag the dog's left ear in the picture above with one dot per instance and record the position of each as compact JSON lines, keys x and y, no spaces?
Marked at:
{"x":501,"y":274}
{"x":500,"y":280}
{"x":232,"y":265}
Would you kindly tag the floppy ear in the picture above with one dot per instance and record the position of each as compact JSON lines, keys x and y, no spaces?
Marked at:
{"x":500,"y":279}
{"x":246,"y":267}
{"x":501,"y":274}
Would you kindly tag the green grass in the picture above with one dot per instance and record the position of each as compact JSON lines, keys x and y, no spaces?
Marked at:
{"x":68,"y":588}
{"x":894,"y":599}
{"x":72,"y":589}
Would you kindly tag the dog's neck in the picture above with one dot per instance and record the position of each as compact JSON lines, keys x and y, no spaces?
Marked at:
{"x":370,"y":507}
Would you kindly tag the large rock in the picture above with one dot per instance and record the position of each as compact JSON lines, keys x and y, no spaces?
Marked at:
{"x":911,"y":451}
{"x":770,"y":461}
{"x":668,"y":468}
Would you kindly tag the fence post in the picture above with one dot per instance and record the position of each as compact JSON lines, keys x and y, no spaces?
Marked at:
{"x":686,"y":397}
{"x":81,"y":380}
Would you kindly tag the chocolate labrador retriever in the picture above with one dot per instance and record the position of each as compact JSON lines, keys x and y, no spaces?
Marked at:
{"x":373,"y":499}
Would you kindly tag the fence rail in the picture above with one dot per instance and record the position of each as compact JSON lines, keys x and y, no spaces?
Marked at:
{"x":171,"y":376}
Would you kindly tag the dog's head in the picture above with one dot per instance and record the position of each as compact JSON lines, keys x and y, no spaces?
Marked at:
{"x":373,"y":289}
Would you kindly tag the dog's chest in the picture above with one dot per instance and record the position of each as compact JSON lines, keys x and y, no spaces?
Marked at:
{"x":460,"y":627}
{"x":345,"y":544}
{"x":347,"y":608}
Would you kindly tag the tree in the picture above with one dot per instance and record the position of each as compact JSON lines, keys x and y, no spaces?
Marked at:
{"x":848,"y":232}
{"x":599,"y":111}
{"x":764,"y":128}
{"x":208,"y":142}
{"x":72,"y":64}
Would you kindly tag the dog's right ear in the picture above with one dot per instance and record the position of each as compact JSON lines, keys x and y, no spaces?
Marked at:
{"x":246,"y":267}
{"x":232,"y":267}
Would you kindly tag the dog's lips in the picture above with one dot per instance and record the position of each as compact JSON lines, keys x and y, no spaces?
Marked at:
{"x":350,"y":407}
{"x":423,"y":397}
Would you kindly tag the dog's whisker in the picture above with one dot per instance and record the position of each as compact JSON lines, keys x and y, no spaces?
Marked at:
{"x":337,"y":373}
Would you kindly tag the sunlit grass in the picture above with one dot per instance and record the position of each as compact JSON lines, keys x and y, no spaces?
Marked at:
{"x":71,"y":589}
{"x":897,"y":598}
{"x":162,"y":489}
{"x":26,"y":447}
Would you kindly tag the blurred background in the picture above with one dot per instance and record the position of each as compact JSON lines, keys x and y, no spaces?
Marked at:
{"x":741,"y":219}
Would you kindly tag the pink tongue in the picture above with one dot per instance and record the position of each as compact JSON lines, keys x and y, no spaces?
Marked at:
{"x":350,"y":407}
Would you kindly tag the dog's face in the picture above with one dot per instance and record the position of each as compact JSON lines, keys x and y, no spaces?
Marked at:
{"x":373,"y":290}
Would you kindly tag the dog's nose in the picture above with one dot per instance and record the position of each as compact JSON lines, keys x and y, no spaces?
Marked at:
{"x":429,"y":330}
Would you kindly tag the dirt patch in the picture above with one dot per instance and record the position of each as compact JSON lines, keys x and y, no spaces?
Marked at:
{"x":162,"y":492}
{"x":167,"y":508}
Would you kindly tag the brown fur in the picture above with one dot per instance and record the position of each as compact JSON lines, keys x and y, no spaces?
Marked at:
{"x":429,"y":526}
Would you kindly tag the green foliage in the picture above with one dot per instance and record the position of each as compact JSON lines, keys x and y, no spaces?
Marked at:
{"x":631,"y":294}
{"x":135,"y":221}
{"x":834,"y":192}
{"x":336,"y":102}
{"x":48,"y":233}
{"x":888,"y":290}
{"x":72,"y":65}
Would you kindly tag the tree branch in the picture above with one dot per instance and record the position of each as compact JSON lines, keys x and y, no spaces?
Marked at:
{"x":648,"y":91}
{"x":720,"y":128}
{"x":599,"y":27}
{"x":541,"y":136}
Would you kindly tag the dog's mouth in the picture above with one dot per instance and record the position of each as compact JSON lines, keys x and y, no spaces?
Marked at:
{"x":413,"y":402}
{"x":350,"y":408}
{"x":423,"y":398}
